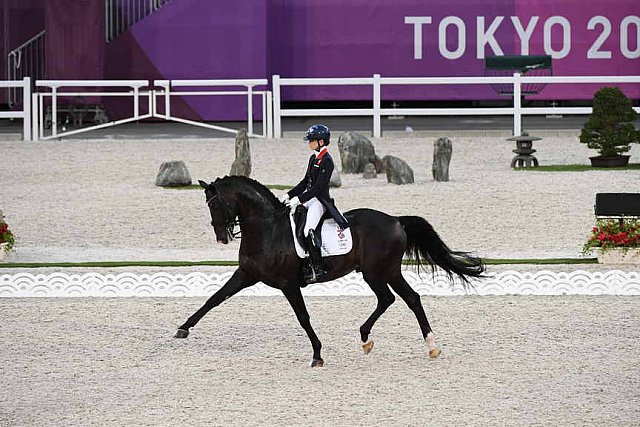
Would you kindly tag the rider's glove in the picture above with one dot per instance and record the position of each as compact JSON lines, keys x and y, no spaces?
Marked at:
{"x":294,"y":202}
{"x":284,"y":198}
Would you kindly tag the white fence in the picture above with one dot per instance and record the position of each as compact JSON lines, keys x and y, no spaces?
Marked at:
{"x":25,"y":113}
{"x":167,"y":92}
{"x":140,"y":91}
{"x":376,"y":111}
{"x":121,"y":88}
{"x":272,"y":110}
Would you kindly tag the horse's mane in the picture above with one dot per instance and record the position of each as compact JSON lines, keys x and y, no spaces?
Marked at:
{"x":258,"y":187}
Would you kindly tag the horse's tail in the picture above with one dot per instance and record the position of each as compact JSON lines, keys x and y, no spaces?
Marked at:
{"x":425,"y":246}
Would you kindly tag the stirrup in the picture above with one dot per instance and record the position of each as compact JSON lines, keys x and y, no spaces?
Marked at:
{"x":311,"y":276}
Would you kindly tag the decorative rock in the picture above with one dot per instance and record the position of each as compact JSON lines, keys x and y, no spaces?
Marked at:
{"x":369,"y":171}
{"x":173,"y":174}
{"x":378,"y":165}
{"x":442,"y":150}
{"x":242,"y":164}
{"x":398,"y":171}
{"x":335,"y":180}
{"x":356,"y":151}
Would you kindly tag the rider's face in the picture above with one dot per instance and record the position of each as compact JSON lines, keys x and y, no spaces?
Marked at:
{"x":314,"y":144}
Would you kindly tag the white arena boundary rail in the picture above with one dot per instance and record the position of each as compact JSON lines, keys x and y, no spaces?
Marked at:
{"x":164,"y":284}
{"x":376,"y":112}
{"x":58,"y":89}
{"x":166,"y":92}
{"x":25,"y":113}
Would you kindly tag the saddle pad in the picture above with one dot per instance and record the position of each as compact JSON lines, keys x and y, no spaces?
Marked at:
{"x":335,"y":241}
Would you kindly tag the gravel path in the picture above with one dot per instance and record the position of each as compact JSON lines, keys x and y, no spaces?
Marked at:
{"x":513,"y":361}
{"x":96,"y":200}
{"x":506,"y":360}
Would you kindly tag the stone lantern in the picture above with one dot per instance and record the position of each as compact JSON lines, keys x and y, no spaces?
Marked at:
{"x":524,"y":151}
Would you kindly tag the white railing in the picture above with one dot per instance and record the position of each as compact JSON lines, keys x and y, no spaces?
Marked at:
{"x":376,"y":112}
{"x":27,"y":60}
{"x":25,"y":113}
{"x":122,"y":88}
{"x":122,"y":14}
{"x":167,"y":92}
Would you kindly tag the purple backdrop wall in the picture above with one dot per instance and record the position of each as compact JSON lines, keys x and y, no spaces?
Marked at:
{"x":355,"y":38}
{"x":189,"y":39}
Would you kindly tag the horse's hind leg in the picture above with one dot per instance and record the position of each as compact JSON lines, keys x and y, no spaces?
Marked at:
{"x":412,"y":298}
{"x":294,"y":296}
{"x":238,"y":281}
{"x":385,"y":299}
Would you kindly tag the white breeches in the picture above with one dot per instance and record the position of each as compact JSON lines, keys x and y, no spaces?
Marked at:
{"x":315,"y":210}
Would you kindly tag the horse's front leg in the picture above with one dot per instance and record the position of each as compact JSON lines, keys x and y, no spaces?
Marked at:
{"x":294,"y":296}
{"x":238,"y":281}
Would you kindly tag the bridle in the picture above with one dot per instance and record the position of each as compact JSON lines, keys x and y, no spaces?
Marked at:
{"x":229,"y":220}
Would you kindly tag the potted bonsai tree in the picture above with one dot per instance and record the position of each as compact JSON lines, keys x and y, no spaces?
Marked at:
{"x":610,"y":128}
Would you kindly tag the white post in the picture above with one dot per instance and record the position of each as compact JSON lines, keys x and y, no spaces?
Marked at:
{"x":277,"y":132}
{"x":376,"y":106}
{"x":249,"y":110}
{"x":517,"y":105}
{"x":167,"y":100}
{"x":136,"y":102}
{"x":26,"y":108}
{"x":40,"y":115}
{"x":54,"y":111}
{"x":35,"y":117}
{"x":269,"y":131}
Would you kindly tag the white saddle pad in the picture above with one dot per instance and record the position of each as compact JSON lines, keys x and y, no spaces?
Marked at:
{"x":335,"y":241}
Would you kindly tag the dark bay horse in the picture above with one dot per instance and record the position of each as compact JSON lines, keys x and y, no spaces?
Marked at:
{"x":267,"y":255}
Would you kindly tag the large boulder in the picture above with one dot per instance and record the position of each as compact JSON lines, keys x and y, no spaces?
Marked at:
{"x":173,"y":174}
{"x":398,"y":171}
{"x":242,"y":164}
{"x":356,"y":151}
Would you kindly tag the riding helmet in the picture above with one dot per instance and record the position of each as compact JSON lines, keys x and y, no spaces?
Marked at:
{"x":318,"y":132}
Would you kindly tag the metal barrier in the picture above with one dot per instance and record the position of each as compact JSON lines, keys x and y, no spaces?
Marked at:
{"x":376,"y":112}
{"x":120,"y":15}
{"x":25,"y":113}
{"x":131,"y":89}
{"x":27,"y":60}
{"x":166,"y":92}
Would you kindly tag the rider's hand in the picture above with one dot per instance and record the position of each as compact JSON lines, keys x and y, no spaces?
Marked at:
{"x":293,"y":203}
{"x":284,"y":198}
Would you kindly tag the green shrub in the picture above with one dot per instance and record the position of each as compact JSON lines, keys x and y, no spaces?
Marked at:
{"x":610,"y":128}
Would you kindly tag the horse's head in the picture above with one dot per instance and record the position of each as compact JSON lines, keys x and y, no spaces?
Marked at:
{"x":222,"y":212}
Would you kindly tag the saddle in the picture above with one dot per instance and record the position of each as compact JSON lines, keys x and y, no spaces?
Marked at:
{"x":300,"y":219}
{"x":330,"y":238}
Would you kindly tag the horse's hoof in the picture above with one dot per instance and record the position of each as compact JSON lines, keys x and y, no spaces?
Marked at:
{"x":434,"y":353}
{"x":317,"y":363}
{"x":181,"y":333}
{"x":367,"y":347}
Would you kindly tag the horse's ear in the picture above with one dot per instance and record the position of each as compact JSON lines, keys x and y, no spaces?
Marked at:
{"x":203,"y":184}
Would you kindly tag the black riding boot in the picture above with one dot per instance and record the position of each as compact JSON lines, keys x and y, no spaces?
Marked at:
{"x":315,"y":273}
